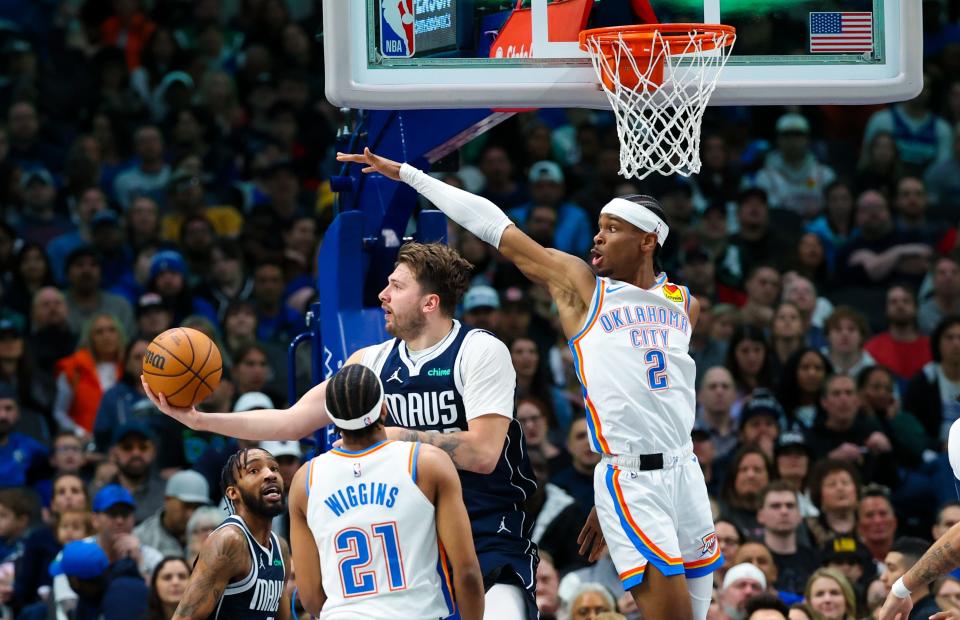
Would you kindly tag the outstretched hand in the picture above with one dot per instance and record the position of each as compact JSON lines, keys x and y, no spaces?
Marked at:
{"x":188,"y":416}
{"x":373,"y":163}
{"x":591,"y":537}
{"x":895,"y":608}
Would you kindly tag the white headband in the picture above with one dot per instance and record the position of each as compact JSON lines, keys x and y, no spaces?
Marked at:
{"x":363,"y":421}
{"x":744,"y":571}
{"x":638,"y":215}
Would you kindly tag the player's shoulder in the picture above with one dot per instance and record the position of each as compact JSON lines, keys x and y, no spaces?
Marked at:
{"x":480,"y":340}
{"x":225,"y":543}
{"x":372,"y":356}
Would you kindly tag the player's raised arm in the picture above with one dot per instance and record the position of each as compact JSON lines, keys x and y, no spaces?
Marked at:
{"x":453,"y":529}
{"x":559,"y":271}
{"x":221,"y":557}
{"x":299,"y":420}
{"x":306,"y":557}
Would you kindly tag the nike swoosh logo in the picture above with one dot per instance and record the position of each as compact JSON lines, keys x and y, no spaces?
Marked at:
{"x":616,"y":288}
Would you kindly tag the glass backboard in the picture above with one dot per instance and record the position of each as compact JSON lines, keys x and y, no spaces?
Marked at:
{"x":396,"y":54}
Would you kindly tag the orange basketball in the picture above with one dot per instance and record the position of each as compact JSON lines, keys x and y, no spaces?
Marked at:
{"x":183,"y":365}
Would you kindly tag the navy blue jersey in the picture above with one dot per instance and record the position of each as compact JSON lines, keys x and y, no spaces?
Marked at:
{"x":256,"y":596}
{"x":428,"y":396}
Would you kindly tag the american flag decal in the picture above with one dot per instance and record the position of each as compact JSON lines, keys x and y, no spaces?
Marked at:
{"x":841,"y":32}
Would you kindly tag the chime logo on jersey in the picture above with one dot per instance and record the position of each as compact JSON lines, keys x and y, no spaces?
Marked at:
{"x":266,"y":595}
{"x":672,"y":292}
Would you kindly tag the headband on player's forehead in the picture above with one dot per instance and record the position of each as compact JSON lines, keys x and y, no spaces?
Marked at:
{"x":638,"y":215}
{"x":370,"y":417}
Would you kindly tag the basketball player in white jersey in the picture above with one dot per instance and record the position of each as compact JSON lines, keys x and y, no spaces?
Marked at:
{"x":241,"y":571}
{"x":629,"y":330}
{"x":365,"y":519}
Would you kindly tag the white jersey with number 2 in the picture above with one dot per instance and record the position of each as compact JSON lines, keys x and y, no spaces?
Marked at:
{"x":376,"y":534}
{"x":632,"y":358}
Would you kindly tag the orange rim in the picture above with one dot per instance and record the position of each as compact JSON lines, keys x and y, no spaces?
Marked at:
{"x":640,"y":38}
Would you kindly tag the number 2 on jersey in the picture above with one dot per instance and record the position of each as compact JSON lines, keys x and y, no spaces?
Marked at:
{"x":656,"y":369}
{"x":355,"y":544}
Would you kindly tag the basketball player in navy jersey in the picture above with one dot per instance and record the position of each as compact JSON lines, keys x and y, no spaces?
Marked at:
{"x":240,"y":573}
{"x":446,"y":385}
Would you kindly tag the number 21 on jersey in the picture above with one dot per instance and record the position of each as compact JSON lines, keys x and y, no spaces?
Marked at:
{"x":359,"y":567}
{"x":656,"y":361}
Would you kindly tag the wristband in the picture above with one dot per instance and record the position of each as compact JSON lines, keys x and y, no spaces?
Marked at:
{"x":899,"y":590}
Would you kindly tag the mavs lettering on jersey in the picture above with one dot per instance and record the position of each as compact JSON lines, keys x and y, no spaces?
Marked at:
{"x":361,"y":494}
{"x":427,"y":395}
{"x":256,"y":596}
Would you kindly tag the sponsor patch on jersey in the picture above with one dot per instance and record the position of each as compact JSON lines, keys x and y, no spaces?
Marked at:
{"x":673,"y":293}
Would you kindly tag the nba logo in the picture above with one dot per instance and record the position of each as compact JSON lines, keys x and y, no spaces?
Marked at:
{"x":396,"y":28}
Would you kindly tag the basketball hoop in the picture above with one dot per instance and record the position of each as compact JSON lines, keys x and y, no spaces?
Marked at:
{"x":658,"y":79}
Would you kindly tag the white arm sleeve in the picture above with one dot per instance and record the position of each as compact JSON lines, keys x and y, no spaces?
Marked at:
{"x":489,"y":380}
{"x":478,"y":215}
{"x":61,"y":405}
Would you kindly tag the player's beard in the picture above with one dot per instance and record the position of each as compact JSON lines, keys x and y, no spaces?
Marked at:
{"x":258,"y":506}
{"x":407,"y":328}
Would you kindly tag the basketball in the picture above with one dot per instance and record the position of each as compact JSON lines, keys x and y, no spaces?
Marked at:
{"x":184,"y":365}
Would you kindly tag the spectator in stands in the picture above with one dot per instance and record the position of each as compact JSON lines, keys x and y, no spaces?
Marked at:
{"x":760,"y":421}
{"x":91,"y":201}
{"x":119,"y":404}
{"x":31,"y":272}
{"x":67,"y":455}
{"x":835,"y":226}
{"x":749,"y":360}
{"x":185,"y":200}
{"x":741,"y":583}
{"x":534,"y":380}
{"x":946,"y":592}
{"x":835,"y":491}
{"x":154,"y":316}
{"x":149,"y":177}
{"x":910,"y":204}
{"x":134,"y":452}
{"x":756,"y":243}
{"x":113,"y":518}
{"x":22,"y":458}
{"x":203,"y":521}
{"x":756,"y":553}
{"x":18,"y":372}
{"x":945,"y":299}
{"x":810,"y":260}
{"x":573,"y":232}
{"x":903,"y":554}
{"x":85,"y":296}
{"x":168,"y":278}
{"x":26,"y":147}
{"x":876,"y":521}
{"x":801,"y":384}
{"x":481,"y":308}
{"x":548,"y":583}
{"x":932,"y":392}
{"x":715,"y":398}
{"x":577,"y":479}
{"x":533,"y":416}
{"x":814,"y":310}
{"x":729,"y":537}
{"x":779,"y":515}
{"x":108,"y":242}
{"x":879,"y":166}
{"x":167,"y":585}
{"x":847,"y":331}
{"x":719,"y":178}
{"x":943,"y":178}
{"x":749,"y":472}
{"x":18,"y":507}
{"x":766,"y":607}
{"x":843,"y":433}
{"x":947,"y":517}
{"x":876,"y":386}
{"x":275,"y":320}
{"x":82,"y":378}
{"x":922,"y":137}
{"x":786,"y":333}
{"x":589,"y":600}
{"x":830,"y":595}
{"x":880,"y":254}
{"x":142,"y":223}
{"x":791,"y":175}
{"x":902,"y":348}
{"x":228,"y":279}
{"x":848,"y":556}
{"x":557,"y":518}
{"x":37,"y":220}
{"x":792,"y":462}
{"x":251,"y":370}
{"x":166,"y":529}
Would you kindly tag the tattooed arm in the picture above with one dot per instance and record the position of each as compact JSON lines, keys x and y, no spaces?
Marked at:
{"x":223,"y":556}
{"x":940,"y":559}
{"x":476,"y":449}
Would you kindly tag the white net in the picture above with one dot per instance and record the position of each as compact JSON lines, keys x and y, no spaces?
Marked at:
{"x":659,"y":122}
